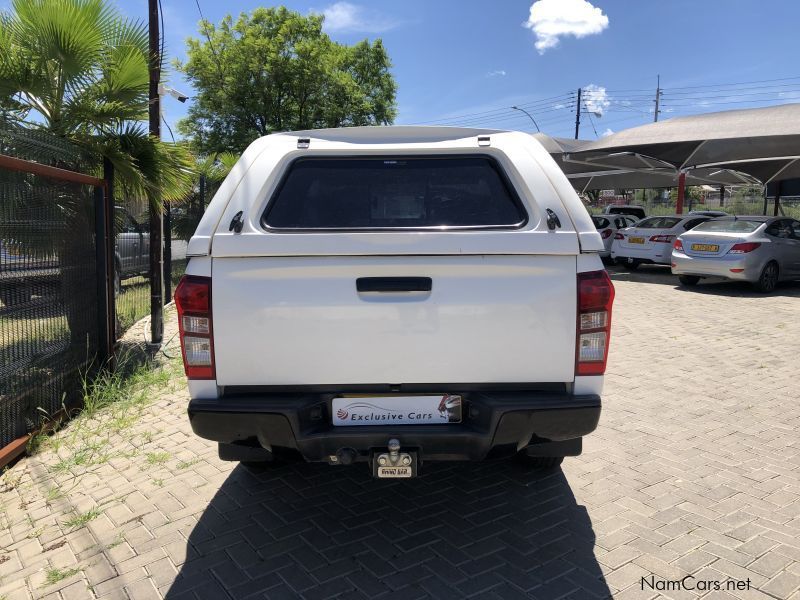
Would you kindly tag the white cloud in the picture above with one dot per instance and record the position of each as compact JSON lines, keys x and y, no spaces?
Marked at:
{"x":559,"y":105}
{"x":552,"y":19}
{"x":349,"y":18}
{"x":608,"y":131}
{"x":595,"y":98}
{"x":498,"y":73}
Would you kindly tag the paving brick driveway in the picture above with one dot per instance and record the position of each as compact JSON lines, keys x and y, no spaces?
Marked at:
{"x":695,"y":469}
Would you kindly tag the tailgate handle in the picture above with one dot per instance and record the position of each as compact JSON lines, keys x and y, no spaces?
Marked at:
{"x":394,"y":284}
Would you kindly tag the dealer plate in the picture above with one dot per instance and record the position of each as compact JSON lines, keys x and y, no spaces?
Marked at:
{"x":636,"y":240}
{"x":705,"y":247}
{"x":434,"y":409}
{"x":395,"y":472}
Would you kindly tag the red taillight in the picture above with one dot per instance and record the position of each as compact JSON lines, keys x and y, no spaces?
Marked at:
{"x":663,"y":239}
{"x":743,"y":248}
{"x":193,"y":300}
{"x":619,"y":236}
{"x":605,"y":234}
{"x":678,"y":245}
{"x":595,"y":297}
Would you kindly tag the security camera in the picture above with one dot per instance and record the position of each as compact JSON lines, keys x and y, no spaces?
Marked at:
{"x":179,"y":96}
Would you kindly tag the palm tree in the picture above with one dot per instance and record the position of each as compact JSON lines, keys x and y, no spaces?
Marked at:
{"x":79,"y":70}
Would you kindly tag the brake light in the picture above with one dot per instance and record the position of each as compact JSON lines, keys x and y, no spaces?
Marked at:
{"x":193,"y":301}
{"x":664,"y":239}
{"x":605,"y":234}
{"x":743,"y":248}
{"x":678,"y":245}
{"x":595,"y":297}
{"x":619,"y":236}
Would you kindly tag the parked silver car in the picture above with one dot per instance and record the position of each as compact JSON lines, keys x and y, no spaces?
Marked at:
{"x":761,"y":250}
{"x":607,"y":226}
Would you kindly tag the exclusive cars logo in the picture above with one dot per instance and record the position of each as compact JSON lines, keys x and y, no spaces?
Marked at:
{"x":412,"y":409}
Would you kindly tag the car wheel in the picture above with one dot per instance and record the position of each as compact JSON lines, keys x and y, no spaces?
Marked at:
{"x":539,"y":463}
{"x":630,"y":263}
{"x":688,"y":279}
{"x":768,"y":280}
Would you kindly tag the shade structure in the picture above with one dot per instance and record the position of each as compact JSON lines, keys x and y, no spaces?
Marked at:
{"x":761,"y":143}
{"x":627,"y":170}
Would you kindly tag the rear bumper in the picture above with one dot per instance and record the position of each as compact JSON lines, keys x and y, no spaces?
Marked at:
{"x":495,"y":424}
{"x":660,"y":256}
{"x":719,"y":266}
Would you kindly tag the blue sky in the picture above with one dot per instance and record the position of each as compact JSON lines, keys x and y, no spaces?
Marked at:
{"x":467,"y":62}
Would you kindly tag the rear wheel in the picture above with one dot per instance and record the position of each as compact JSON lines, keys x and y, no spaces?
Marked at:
{"x":630,"y":263}
{"x":539,"y":463}
{"x":768,"y":280}
{"x":688,"y":279}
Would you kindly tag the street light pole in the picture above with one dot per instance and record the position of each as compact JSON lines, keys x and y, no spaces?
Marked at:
{"x":529,"y":116}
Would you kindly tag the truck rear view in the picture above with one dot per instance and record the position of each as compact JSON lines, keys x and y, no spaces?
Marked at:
{"x":394,"y":295}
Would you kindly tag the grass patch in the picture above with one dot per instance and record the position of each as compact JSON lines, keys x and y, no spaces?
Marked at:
{"x":81,"y":519}
{"x":185,"y":464}
{"x":157,"y":458}
{"x":54,"y":575}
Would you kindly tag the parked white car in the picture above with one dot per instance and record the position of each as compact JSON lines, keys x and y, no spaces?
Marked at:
{"x":607,"y":226}
{"x":759,"y":249}
{"x":388,"y":295}
{"x":650,"y":240}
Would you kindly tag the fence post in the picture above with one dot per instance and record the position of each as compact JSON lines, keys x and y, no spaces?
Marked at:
{"x":104,"y":259}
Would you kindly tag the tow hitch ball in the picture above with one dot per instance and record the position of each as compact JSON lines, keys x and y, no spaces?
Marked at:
{"x":394,"y":464}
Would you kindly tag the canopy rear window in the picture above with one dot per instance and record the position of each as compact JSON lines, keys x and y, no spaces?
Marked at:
{"x":394,"y":193}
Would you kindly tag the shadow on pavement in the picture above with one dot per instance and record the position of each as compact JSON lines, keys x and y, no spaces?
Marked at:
{"x":489,"y":530}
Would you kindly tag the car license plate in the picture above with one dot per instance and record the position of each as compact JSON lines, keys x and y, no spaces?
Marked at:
{"x":636,"y":240}
{"x":394,"y":472}
{"x":355,"y":410}
{"x":705,"y":247}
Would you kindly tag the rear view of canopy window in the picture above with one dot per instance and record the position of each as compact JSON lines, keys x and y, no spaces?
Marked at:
{"x":392,"y":193}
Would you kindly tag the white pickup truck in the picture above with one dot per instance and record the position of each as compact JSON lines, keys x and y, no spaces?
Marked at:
{"x":390,"y":295}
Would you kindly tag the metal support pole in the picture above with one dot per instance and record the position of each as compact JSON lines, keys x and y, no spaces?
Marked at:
{"x":681,"y":193}
{"x":108,"y":197}
{"x":101,"y":277}
{"x":721,"y":196}
{"x":167,"y":252}
{"x":156,"y":221}
{"x":578,"y":114}
{"x":777,"y":198}
{"x":765,"y":200}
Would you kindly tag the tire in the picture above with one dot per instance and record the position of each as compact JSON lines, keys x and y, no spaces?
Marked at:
{"x":768,"y":280}
{"x":539,"y":463}
{"x":688,"y":279}
{"x":631,"y":266}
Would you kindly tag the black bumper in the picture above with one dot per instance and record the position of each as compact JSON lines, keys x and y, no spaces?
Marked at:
{"x":494,"y":424}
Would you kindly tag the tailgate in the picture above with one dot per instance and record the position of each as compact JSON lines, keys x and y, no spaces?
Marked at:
{"x":300,"y":320}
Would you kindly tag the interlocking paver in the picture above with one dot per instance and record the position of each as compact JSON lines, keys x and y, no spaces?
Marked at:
{"x":694,"y":469}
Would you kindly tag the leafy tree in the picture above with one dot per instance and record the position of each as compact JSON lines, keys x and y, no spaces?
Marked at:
{"x":275,"y":70}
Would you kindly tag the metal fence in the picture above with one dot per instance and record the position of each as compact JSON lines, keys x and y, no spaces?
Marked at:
{"x":70,"y":258}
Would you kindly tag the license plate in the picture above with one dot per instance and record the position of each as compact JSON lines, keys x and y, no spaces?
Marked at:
{"x":636,"y":240}
{"x":705,"y":247}
{"x":394,"y":472}
{"x":356,"y":410}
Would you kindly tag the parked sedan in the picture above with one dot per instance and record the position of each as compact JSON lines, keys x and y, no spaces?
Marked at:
{"x":761,"y":250}
{"x":607,"y":225}
{"x":650,"y":240}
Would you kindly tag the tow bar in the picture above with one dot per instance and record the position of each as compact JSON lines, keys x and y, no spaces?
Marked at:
{"x":394,"y":464}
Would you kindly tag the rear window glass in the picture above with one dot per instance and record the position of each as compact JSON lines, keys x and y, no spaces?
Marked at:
{"x":392,"y":193}
{"x":730,"y":226}
{"x":600,"y":222}
{"x":658,"y":223}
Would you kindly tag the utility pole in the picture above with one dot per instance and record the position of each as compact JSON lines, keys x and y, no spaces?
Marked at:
{"x":658,"y":100}
{"x":578,"y":114}
{"x":156,"y":217}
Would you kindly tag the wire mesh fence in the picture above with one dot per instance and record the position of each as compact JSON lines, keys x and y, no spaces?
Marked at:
{"x":48,"y":315}
{"x":52,"y":283}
